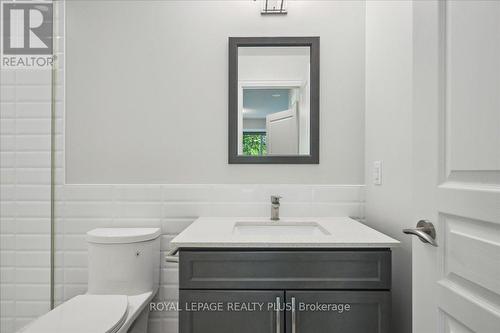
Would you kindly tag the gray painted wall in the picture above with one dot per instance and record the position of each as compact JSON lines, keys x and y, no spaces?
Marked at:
{"x":146,"y":90}
{"x":389,"y":206}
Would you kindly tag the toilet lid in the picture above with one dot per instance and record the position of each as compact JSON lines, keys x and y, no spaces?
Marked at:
{"x":84,"y":314}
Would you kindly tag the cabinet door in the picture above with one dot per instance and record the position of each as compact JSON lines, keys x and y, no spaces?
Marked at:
{"x":237,"y":311}
{"x":338,"y":311}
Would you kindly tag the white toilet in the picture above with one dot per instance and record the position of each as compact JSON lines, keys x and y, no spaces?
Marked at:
{"x":124,"y":272}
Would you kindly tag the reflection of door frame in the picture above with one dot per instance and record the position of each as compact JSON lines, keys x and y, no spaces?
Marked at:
{"x":260,"y":84}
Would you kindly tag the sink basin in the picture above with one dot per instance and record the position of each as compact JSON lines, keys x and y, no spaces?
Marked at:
{"x":279,"y":228}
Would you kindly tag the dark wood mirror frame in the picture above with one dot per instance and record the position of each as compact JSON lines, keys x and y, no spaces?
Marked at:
{"x":234,"y":44}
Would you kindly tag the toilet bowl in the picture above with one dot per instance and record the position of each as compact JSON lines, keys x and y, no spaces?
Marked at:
{"x":124,"y":271}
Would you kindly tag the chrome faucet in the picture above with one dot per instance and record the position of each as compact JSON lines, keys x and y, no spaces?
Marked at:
{"x":275,"y":207}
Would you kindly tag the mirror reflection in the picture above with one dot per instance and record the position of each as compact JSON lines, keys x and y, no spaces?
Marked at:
{"x":274,"y":101}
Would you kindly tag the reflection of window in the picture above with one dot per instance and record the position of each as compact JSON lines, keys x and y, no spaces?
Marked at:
{"x":254,"y":143}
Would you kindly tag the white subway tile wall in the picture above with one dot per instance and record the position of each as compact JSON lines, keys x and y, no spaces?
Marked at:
{"x":25,"y":205}
{"x":25,"y":196}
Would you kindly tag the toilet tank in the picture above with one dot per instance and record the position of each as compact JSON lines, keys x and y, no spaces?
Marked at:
{"x":124,"y":261}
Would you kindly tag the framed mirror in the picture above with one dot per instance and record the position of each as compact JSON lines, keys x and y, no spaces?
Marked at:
{"x":274,"y":100}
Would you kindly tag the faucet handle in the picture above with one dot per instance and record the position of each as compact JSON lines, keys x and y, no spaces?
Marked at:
{"x":275,"y":199}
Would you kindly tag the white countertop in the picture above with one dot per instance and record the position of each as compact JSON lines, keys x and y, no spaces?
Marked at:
{"x":344,"y":232}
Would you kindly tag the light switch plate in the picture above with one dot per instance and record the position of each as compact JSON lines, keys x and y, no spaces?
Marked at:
{"x":377,"y":172}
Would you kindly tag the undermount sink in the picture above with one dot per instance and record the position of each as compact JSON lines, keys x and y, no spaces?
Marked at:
{"x":279,"y":228}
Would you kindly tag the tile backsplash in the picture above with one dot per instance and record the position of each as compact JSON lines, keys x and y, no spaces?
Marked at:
{"x":172,"y":208}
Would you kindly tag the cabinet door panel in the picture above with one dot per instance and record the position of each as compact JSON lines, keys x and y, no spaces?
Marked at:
{"x":285,"y":269}
{"x":230,"y":320}
{"x":369,"y":311}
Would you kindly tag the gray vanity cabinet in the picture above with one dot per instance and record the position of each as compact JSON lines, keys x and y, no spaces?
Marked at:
{"x":327,"y":290}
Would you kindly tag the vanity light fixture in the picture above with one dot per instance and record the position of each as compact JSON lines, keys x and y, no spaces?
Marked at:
{"x":273,"y":7}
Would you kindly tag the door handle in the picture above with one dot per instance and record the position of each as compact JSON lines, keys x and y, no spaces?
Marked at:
{"x":425,"y":231}
{"x":278,"y":315}
{"x":294,"y":317}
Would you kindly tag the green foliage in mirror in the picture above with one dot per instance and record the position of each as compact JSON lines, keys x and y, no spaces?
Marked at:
{"x":254,"y":144}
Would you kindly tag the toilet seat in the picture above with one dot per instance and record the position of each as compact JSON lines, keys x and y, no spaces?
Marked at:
{"x":84,"y":314}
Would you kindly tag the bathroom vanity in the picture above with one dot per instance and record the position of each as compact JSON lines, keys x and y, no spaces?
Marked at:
{"x":295,"y":276}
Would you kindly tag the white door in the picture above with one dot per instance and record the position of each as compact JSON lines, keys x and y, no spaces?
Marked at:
{"x":282,"y":132}
{"x":456,"y":285}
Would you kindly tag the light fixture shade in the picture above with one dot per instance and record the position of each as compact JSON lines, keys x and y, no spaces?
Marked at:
{"x":274,"y":7}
